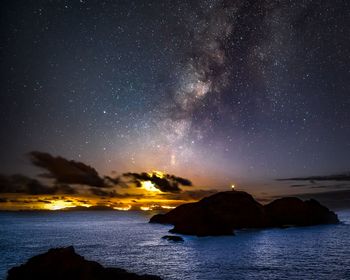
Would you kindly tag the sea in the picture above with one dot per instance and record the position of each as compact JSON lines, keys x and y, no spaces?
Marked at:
{"x":127,"y":240}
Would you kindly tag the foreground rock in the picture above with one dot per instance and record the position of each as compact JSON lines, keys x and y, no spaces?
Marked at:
{"x":174,"y":238}
{"x":223,"y":212}
{"x":64,"y":263}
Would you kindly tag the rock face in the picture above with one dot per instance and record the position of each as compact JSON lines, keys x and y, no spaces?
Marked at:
{"x":223,"y":212}
{"x":295,"y":212}
{"x":64,"y":263}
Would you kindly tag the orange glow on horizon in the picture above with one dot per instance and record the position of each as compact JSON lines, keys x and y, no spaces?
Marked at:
{"x":147,"y":197}
{"x":148,"y":203}
{"x":168,"y":207}
{"x":59,"y":204}
{"x":125,"y":208}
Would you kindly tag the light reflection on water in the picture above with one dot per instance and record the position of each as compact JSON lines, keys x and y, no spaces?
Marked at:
{"x":127,"y":240}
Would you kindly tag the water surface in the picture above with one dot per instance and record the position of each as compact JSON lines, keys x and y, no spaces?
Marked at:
{"x":127,"y":240}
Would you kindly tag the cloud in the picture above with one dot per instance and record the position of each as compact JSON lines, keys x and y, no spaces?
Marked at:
{"x":331,"y":186}
{"x":116,"y":181}
{"x":166,"y":183}
{"x":298,"y":185}
{"x":334,"y":177}
{"x":22,"y":184}
{"x":339,"y":199}
{"x":44,"y":201}
{"x":101,"y":192}
{"x":72,"y":177}
{"x":67,"y":171}
{"x":113,"y":194}
{"x":84,"y":201}
{"x":21,"y":201}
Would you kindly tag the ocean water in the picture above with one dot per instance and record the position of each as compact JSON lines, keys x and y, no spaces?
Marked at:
{"x":127,"y":240}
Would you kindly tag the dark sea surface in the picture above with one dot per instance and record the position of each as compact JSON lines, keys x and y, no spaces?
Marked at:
{"x":127,"y":240}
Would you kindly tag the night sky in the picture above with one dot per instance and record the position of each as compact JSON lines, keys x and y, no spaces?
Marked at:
{"x":214,"y":91}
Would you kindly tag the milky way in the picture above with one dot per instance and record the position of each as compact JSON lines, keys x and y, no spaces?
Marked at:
{"x":215,"y":91}
{"x":204,"y":72}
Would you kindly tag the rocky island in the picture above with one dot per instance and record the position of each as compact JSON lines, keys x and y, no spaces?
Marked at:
{"x":223,"y":212}
{"x":65,"y":263}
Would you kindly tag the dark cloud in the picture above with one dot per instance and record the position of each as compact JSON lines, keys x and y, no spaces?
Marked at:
{"x":179,"y":180}
{"x":3,"y":200}
{"x":83,"y":201}
{"x":298,"y":185}
{"x":44,"y":201}
{"x":22,"y":184}
{"x":165,"y":183}
{"x":67,"y":171}
{"x":335,"y":177}
{"x":333,"y":199}
{"x":21,"y":201}
{"x":331,"y":186}
{"x":336,"y":189}
{"x":339,"y":199}
{"x":64,"y":189}
{"x":101,"y":192}
{"x":104,"y":194}
{"x":117,"y":181}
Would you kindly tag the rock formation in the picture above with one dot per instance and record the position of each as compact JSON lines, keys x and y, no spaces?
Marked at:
{"x":295,"y":212}
{"x":64,"y":263}
{"x":223,"y":212}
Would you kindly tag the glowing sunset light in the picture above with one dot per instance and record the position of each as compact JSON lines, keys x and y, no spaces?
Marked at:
{"x":149,"y":186}
{"x":168,"y":207}
{"x":126,"y":208}
{"x":155,"y":206}
{"x":59,"y":204}
{"x":233,"y":187}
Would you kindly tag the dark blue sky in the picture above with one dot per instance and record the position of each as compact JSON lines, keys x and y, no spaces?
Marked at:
{"x":216,"y":91}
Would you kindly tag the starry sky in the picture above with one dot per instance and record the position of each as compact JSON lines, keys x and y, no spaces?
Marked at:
{"x":215,"y":91}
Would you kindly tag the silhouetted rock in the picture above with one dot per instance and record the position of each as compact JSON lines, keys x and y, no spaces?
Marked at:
{"x":223,"y":212}
{"x":218,"y":214}
{"x":173,"y":238}
{"x":64,"y":263}
{"x":292,"y":211}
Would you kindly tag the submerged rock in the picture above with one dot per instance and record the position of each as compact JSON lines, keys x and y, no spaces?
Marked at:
{"x":64,"y":263}
{"x":173,"y":238}
{"x":223,"y":212}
